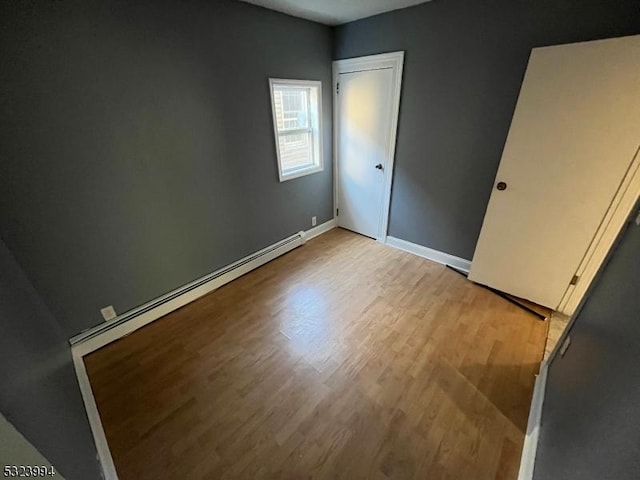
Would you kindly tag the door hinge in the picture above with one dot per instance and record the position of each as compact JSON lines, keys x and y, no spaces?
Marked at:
{"x":337,"y":212}
{"x":574,"y":280}
{"x":337,"y":87}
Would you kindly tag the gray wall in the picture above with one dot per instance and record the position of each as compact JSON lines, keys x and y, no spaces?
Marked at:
{"x":39,"y":393}
{"x":465,"y":60}
{"x":591,"y":417}
{"x":17,"y":450}
{"x":136,"y":144}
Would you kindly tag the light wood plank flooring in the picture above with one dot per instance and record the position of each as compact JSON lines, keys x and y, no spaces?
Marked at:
{"x":343,"y":359}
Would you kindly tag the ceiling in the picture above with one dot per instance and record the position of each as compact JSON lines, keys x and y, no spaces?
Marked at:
{"x":334,"y":12}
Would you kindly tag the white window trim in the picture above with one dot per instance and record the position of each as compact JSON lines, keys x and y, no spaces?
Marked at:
{"x":306,"y":170}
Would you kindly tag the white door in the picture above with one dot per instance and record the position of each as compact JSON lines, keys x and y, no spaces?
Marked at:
{"x":364,"y":126}
{"x":573,"y":137}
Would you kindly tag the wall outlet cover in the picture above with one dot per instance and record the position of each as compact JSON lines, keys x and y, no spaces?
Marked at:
{"x":313,"y":221}
{"x":108,"y":313}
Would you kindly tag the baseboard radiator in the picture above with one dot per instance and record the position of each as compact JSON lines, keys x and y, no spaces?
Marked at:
{"x":191,"y":291}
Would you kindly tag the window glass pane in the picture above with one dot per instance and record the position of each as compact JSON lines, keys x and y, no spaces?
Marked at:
{"x":296,"y":150}
{"x":292,"y":107}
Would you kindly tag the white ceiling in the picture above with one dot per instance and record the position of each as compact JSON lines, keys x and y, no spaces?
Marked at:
{"x":334,"y":12}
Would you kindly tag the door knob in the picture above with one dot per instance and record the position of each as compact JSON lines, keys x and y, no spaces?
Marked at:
{"x":501,"y":186}
{"x":379,"y":166}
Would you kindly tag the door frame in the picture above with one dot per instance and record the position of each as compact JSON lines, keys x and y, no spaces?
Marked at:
{"x":395,"y":61}
{"x":617,"y":214}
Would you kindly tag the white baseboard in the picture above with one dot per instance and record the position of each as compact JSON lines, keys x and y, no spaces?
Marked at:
{"x":320,"y":229}
{"x":530,"y":447}
{"x":430,"y":254}
{"x":100,"y":439}
{"x":124,"y":324}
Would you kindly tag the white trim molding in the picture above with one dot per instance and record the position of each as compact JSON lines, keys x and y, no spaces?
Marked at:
{"x":429,"y":253}
{"x":395,"y":61}
{"x":530,"y":447}
{"x":124,"y":324}
{"x":319,"y":230}
{"x":618,"y":213}
{"x":315,"y":127}
{"x":99,"y":437}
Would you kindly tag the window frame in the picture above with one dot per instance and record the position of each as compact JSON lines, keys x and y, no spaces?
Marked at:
{"x":314,"y":130}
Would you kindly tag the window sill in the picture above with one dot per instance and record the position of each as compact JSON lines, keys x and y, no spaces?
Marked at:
{"x":300,"y":173}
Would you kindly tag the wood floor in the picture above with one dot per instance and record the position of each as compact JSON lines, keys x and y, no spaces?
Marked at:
{"x":343,"y":359}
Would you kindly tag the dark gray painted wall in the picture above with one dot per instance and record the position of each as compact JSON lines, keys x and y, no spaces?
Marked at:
{"x":591,"y":417}
{"x":136,"y":144}
{"x":39,"y":393}
{"x":465,"y":60}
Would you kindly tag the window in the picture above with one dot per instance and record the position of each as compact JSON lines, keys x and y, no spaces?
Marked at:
{"x":296,"y":106}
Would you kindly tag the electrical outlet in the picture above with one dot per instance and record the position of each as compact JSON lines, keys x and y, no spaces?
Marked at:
{"x":313,"y":221}
{"x":638,"y":219}
{"x":108,"y":313}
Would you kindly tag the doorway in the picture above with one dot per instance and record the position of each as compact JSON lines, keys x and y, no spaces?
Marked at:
{"x":367,"y":101}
